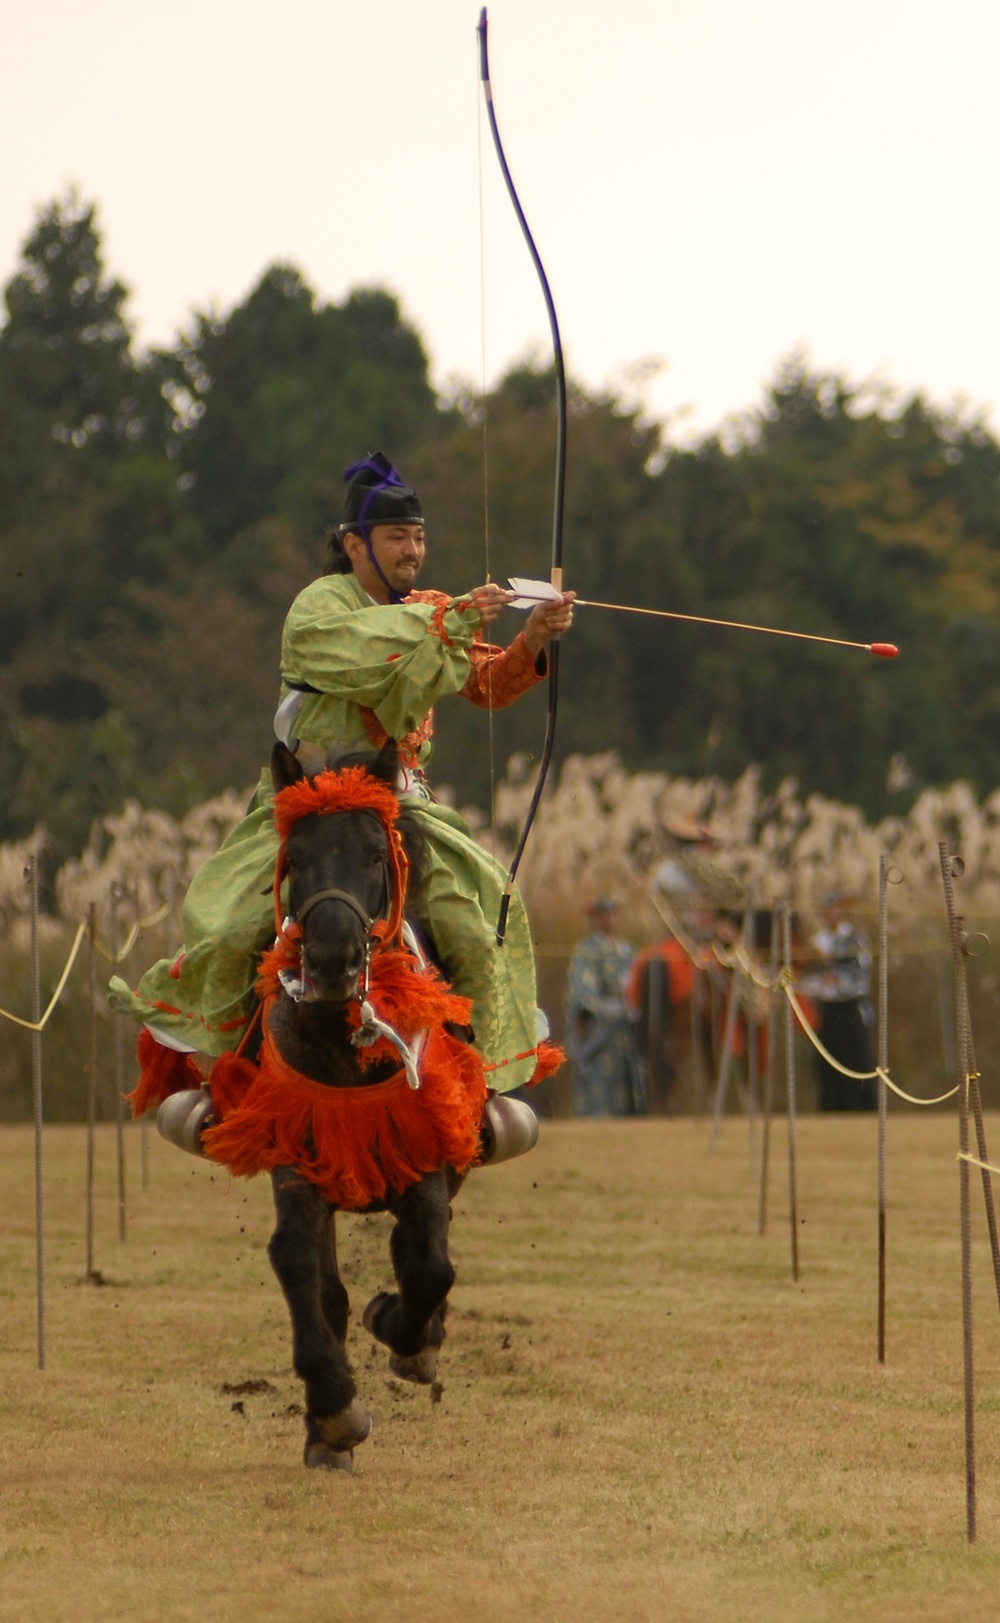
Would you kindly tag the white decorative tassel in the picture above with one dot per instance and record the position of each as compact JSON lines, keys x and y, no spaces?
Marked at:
{"x":372,"y":1028}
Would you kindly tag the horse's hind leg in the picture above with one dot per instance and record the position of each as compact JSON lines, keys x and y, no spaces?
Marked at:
{"x":411,"y":1323}
{"x":303,"y":1255}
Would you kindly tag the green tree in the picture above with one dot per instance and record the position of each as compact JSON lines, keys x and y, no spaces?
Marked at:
{"x":274,"y":400}
{"x":75,"y":410}
{"x":160,"y":513}
{"x":848,"y":516}
{"x":66,"y":366}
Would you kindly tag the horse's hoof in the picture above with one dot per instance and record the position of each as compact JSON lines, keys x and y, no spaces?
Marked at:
{"x":368,"y":1316}
{"x":420,"y":1367}
{"x":321,"y":1458}
{"x":343,"y":1431}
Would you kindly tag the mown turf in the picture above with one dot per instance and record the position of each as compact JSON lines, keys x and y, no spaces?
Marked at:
{"x":642,"y":1417}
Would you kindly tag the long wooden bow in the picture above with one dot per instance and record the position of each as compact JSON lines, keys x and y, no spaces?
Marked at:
{"x":560,"y":479}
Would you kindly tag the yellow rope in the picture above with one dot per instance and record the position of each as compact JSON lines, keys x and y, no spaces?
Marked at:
{"x":39,"y":1025}
{"x":750,"y":969}
{"x":856,"y":1076}
{"x":726,"y":958}
{"x":974,"y":1161}
{"x":939,"y":1100}
{"x":673,"y":924}
{"x":106,"y":952}
{"x":738,"y":956}
{"x":132,"y":937}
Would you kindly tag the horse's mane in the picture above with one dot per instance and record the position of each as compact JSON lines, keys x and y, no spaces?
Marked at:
{"x":383,"y":764}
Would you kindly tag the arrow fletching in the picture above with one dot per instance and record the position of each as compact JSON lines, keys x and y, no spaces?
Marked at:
{"x":529,"y":593}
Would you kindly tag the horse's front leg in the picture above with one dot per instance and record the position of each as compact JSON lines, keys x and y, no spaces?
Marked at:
{"x":411,"y":1323}
{"x":303,"y":1255}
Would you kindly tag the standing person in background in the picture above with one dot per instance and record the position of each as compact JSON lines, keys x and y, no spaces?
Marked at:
{"x":658,"y":993}
{"x":676,"y":1033}
{"x":838,"y":980}
{"x":606,"y":1078}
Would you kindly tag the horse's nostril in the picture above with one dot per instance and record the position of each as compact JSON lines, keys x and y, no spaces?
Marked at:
{"x":332,"y":969}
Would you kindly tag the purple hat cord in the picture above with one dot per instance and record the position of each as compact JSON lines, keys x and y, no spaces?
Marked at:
{"x":386,"y":482}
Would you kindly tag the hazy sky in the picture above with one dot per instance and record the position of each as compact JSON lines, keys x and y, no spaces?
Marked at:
{"x":708,"y":183}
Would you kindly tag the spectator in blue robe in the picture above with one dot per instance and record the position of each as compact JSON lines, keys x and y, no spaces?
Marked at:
{"x":599,"y":1037}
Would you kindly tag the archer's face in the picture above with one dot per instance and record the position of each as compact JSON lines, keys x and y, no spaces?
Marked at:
{"x":399,"y":550}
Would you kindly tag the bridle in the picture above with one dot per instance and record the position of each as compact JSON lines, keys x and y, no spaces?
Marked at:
{"x":369,"y":922}
{"x":354,"y":789}
{"x":350,"y":789}
{"x":346,"y":896}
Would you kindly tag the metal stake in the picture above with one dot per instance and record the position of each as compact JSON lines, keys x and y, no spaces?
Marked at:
{"x":144,"y":1150}
{"x":654,"y":1027}
{"x":118,"y":895}
{"x":772,"y":1034}
{"x":728,"y":1032}
{"x":120,"y":1094}
{"x":31,"y":875}
{"x":976,"y":1101}
{"x":883,"y":1063}
{"x":91,"y":1069}
{"x":793,"y":1207}
{"x":952,"y":868}
{"x":753,"y":1079}
{"x":697,"y":1007}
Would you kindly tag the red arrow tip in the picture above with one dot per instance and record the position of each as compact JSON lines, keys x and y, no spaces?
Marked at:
{"x":884,"y":650}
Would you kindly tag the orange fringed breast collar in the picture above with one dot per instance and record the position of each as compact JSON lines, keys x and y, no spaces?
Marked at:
{"x":353,"y":1143}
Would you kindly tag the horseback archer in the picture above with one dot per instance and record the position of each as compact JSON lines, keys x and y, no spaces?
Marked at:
{"x":365,"y":655}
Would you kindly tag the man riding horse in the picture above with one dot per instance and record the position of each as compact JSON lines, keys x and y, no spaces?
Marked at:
{"x":364,"y":657}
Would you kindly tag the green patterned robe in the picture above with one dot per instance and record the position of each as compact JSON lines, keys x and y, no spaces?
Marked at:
{"x":378,"y":671}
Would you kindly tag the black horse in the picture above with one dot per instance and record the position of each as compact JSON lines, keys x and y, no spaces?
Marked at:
{"x":360,"y":1090}
{"x":339,"y":883}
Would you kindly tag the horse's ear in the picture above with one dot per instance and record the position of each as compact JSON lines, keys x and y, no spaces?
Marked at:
{"x":285,"y":768}
{"x":385,"y":766}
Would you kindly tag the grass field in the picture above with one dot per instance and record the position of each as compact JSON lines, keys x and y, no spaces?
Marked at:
{"x":641,"y":1416}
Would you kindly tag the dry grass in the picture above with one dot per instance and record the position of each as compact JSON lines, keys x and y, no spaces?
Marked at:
{"x":599,"y":830}
{"x":642,"y":1417}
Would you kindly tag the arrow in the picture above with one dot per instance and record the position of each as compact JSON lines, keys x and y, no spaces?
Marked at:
{"x":529,"y":592}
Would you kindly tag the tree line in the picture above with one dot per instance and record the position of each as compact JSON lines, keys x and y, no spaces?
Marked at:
{"x":158,"y":512}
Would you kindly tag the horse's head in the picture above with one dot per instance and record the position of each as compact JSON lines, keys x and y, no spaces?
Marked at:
{"x":338,"y":857}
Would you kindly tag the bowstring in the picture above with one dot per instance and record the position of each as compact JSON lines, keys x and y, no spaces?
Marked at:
{"x":486,"y":478}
